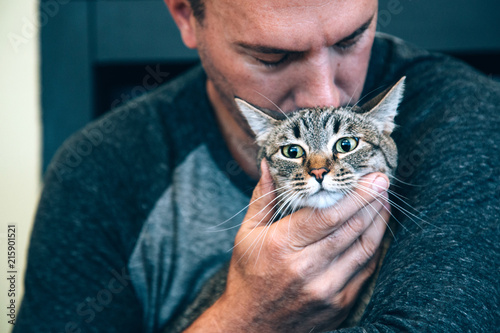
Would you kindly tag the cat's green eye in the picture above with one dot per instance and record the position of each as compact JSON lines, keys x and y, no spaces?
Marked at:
{"x":292,"y":151}
{"x":346,"y":145}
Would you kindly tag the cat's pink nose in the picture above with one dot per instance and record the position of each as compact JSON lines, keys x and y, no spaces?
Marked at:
{"x":319,"y":173}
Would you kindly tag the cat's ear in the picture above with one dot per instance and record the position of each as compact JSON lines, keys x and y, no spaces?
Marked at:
{"x":260,"y":123}
{"x":383,"y":108}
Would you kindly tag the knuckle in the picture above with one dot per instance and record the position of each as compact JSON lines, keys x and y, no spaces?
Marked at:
{"x":358,"y":263}
{"x":327,"y":217}
{"x":322,"y":219}
{"x":319,"y":292}
{"x":275,"y":247}
{"x":365,"y":250}
{"x":354,"y":226}
{"x":371,"y":267}
{"x":304,"y":268}
{"x":257,"y":192}
{"x":340,"y":300}
{"x":368,"y":246}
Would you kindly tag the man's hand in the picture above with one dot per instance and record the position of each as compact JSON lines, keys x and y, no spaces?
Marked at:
{"x":301,"y":272}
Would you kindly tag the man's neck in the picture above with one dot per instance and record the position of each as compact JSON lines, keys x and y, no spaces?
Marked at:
{"x":240,"y":143}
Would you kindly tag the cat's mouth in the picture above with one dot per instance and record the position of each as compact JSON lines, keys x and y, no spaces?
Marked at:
{"x":322,"y":198}
{"x":321,"y":191}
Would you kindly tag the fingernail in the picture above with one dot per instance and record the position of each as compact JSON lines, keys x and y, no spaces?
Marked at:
{"x":380,"y":184}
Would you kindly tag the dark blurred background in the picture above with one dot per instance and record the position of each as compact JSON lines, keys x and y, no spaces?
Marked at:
{"x":97,"y":54}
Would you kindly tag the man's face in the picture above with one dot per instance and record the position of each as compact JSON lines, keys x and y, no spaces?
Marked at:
{"x":296,"y":53}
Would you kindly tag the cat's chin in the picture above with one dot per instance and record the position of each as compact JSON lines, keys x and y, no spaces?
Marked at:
{"x":321,"y":199}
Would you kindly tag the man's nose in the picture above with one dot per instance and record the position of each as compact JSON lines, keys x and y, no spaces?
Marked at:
{"x":317,"y":85}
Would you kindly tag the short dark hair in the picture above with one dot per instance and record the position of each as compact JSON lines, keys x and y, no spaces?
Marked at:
{"x":198,"y":7}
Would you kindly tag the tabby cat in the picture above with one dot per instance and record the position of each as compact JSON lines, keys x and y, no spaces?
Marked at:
{"x":317,"y":155}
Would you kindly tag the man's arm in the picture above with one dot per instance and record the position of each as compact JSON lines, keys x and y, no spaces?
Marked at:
{"x":76,"y":280}
{"x":88,"y":219}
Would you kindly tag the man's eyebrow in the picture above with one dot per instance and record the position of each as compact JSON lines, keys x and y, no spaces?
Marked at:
{"x":272,"y":50}
{"x":358,"y":31}
{"x":264,"y":49}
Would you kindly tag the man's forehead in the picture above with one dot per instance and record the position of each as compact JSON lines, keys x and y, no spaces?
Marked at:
{"x":284,"y":6}
{"x":278,"y":23}
{"x":280,"y":4}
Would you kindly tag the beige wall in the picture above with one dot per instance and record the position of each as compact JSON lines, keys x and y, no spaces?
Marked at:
{"x":19,"y":137}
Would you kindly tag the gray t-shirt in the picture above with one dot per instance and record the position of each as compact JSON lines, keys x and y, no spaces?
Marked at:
{"x":127,"y":230}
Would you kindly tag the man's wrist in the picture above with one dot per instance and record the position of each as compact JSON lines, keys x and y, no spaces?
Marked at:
{"x":221,"y":317}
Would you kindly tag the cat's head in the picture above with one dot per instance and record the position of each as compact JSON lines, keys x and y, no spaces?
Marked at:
{"x":317,"y":155}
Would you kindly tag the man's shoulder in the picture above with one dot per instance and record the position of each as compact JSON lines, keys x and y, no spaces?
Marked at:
{"x":445,"y":100}
{"x":393,"y":58}
{"x":435,"y":84}
{"x":114,"y":169}
{"x":137,"y":131}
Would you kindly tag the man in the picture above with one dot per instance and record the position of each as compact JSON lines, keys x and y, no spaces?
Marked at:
{"x":126,"y":240}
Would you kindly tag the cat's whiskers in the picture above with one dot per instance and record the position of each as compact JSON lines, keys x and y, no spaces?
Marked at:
{"x":276,"y":106}
{"x":342,"y":182}
{"x":356,"y":198}
{"x":264,"y":229}
{"x":244,"y":208}
{"x":354,"y":93}
{"x":282,"y":208}
{"x":360,"y":200}
{"x":393,"y":193}
{"x":279,"y":199}
{"x":403,"y":182}
{"x":411,"y":216}
{"x":376,"y":196}
{"x":285,"y":194}
{"x":294,"y":209}
{"x":368,"y":93}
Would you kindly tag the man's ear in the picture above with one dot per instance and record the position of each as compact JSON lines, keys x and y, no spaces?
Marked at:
{"x":186,"y":22}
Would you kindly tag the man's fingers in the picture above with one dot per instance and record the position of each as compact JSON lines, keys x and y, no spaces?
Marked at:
{"x":263,"y":199}
{"x":354,"y":285}
{"x":352,"y":267}
{"x":364,"y":229}
{"x":356,"y":257}
{"x":309,"y":226}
